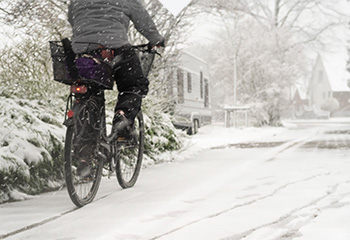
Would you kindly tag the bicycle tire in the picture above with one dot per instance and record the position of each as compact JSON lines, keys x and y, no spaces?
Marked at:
{"x":128,"y":156}
{"x":81,"y":190}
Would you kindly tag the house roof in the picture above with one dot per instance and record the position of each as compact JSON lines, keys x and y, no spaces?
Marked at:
{"x":335,"y":66}
{"x":299,"y":90}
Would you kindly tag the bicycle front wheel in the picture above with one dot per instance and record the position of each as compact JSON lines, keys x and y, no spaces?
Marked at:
{"x":128,"y":155}
{"x":83,"y":176}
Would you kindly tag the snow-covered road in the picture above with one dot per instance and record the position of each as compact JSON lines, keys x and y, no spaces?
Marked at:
{"x":251,"y":184}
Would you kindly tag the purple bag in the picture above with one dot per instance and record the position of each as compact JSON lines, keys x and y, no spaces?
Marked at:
{"x":91,"y":68}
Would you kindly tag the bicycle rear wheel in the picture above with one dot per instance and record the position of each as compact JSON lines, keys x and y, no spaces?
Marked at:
{"x":82,"y":188}
{"x":128,"y":155}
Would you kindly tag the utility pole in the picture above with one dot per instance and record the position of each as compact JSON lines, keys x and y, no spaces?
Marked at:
{"x":235,"y":69}
{"x":235,"y":51}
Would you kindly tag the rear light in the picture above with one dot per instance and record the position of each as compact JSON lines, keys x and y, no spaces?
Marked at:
{"x":70,"y":114}
{"x":82,"y":89}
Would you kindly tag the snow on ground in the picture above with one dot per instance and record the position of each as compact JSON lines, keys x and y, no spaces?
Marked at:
{"x":210,"y":190}
{"x":215,"y":135}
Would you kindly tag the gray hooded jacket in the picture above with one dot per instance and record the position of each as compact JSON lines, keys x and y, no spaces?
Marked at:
{"x":106,"y":22}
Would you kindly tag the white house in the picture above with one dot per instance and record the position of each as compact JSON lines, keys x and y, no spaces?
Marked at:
{"x":319,"y":87}
{"x":324,"y":86}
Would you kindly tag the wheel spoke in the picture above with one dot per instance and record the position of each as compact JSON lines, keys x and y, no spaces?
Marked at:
{"x":82,"y":181}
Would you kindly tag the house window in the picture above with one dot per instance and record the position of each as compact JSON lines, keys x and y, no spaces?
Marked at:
{"x":180,"y":86}
{"x":206,"y":93}
{"x":189,"y":82}
{"x":201,"y":85}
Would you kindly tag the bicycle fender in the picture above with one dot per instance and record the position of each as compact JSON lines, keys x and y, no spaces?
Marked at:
{"x":68,"y":122}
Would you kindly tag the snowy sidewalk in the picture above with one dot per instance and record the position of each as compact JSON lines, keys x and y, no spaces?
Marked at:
{"x":264,"y":181}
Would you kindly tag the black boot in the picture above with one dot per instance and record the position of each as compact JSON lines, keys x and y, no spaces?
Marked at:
{"x":120,"y":128}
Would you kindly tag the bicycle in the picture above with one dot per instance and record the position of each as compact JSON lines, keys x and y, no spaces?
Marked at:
{"x":88,"y":148}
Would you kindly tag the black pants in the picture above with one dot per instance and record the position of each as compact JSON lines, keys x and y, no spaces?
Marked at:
{"x":131,"y":82}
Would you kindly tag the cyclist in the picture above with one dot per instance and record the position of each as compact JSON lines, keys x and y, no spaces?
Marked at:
{"x":101,"y":26}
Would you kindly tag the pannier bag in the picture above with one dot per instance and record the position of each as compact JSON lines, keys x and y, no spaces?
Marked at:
{"x":89,"y":68}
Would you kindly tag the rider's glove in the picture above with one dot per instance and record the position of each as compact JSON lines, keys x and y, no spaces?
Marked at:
{"x":160,"y":43}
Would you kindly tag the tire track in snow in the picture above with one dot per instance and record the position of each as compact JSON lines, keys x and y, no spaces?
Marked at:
{"x":332,"y":142}
{"x":296,"y":144}
{"x":214,"y":215}
{"x":287,"y":218}
{"x":43,"y":222}
{"x":26,"y":228}
{"x":279,"y":147}
{"x":270,"y":157}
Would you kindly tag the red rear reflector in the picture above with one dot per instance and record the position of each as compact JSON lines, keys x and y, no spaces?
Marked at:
{"x":70,"y":114}
{"x":78,"y":89}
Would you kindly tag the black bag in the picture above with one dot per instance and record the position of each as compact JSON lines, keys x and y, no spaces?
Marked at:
{"x":70,"y":69}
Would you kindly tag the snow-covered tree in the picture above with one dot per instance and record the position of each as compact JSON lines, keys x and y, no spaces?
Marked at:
{"x":348,"y":63}
{"x":269,"y":40}
{"x":25,"y":62}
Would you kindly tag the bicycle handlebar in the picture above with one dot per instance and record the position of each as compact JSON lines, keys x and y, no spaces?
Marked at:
{"x":146,"y":48}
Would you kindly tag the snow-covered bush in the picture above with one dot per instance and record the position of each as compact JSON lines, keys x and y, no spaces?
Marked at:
{"x":161,"y":135}
{"x":31,"y":149}
{"x":330,"y":105}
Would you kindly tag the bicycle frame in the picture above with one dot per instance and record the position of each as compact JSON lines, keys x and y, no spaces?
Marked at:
{"x":85,"y":98}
